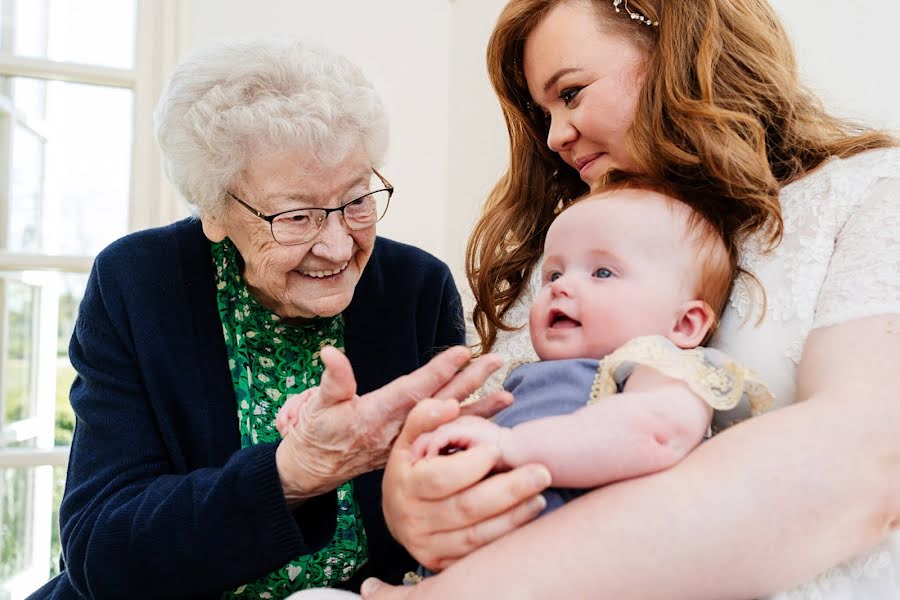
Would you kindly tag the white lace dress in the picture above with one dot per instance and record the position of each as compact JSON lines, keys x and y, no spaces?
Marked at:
{"x":839,"y":260}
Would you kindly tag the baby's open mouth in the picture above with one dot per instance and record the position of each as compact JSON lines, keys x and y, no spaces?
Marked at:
{"x":560,"y":320}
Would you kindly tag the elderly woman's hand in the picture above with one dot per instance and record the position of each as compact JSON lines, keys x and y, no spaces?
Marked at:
{"x":439,"y":508}
{"x":338,"y":434}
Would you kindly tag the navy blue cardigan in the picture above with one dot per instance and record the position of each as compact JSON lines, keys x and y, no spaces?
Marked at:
{"x":161,"y":501}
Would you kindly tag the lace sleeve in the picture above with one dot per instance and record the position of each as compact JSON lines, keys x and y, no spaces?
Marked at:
{"x":864,"y":272}
{"x":513,"y":346}
{"x":516,"y":344}
{"x":712,"y":375}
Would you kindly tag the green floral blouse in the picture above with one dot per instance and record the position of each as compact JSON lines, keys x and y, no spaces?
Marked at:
{"x":270,"y":360}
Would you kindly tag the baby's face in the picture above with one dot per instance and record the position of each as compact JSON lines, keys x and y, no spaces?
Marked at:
{"x":616,"y":266}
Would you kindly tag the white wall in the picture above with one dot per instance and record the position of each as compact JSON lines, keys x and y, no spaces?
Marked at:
{"x":847,"y":52}
{"x":448,"y":143}
{"x":478,"y":144}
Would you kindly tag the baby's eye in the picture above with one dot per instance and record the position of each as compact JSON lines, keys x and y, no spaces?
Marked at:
{"x":553,"y":276}
{"x":603,"y":273}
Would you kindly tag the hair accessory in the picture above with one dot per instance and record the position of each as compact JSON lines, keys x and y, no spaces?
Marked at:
{"x":634,"y":15}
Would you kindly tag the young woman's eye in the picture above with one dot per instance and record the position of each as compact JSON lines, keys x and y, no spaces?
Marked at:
{"x":603,"y":273}
{"x":568,"y":95}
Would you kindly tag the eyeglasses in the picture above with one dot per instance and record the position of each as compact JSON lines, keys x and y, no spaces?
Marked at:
{"x":300,"y":225}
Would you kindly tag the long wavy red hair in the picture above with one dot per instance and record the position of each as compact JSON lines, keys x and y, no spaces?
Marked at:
{"x":722,"y":117}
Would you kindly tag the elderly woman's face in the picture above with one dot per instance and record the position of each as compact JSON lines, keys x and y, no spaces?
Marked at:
{"x":313,"y":279}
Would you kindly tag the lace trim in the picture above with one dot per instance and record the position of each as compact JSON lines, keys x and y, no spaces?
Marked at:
{"x":495,"y":382}
{"x":716,"y":378}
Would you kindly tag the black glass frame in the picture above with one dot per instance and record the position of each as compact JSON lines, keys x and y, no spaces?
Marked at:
{"x":270,"y":219}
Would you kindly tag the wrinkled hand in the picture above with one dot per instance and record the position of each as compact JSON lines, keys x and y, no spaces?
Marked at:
{"x":460,"y":434}
{"x":338,"y":434}
{"x":289,"y":413}
{"x":439,"y":508}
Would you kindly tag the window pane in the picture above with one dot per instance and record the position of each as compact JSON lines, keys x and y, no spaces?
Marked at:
{"x":59,"y":486}
{"x":16,"y":501}
{"x":70,"y":191}
{"x":30,"y":97}
{"x":25,"y":27}
{"x":71,"y":292}
{"x":95,"y":32}
{"x":26,"y":185}
{"x":88,"y":166}
{"x":19,"y":327}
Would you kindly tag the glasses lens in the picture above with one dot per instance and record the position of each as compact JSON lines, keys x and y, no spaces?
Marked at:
{"x":367,"y":210}
{"x":297,"y":226}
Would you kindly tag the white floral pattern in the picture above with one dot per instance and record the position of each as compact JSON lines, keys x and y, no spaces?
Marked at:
{"x":839,"y":260}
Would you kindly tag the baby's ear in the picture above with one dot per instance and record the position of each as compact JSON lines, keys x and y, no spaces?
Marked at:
{"x":692,"y":323}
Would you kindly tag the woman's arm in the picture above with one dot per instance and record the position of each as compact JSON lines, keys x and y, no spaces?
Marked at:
{"x":761,"y":507}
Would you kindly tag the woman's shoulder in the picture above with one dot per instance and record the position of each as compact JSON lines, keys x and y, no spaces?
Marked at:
{"x":152,"y":262}
{"x":828,"y":197}
{"x":148,"y":247}
{"x":859,"y":172}
{"x":396,"y":259}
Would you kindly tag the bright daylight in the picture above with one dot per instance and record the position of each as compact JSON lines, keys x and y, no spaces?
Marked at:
{"x":401,"y":299}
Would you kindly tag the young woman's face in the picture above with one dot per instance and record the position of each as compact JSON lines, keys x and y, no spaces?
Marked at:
{"x":586,"y":81}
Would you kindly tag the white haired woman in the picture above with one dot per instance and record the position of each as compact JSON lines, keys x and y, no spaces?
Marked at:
{"x":191,"y":336}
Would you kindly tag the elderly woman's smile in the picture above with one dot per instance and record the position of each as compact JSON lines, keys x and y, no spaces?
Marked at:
{"x":323,"y":274}
{"x":315,"y":278}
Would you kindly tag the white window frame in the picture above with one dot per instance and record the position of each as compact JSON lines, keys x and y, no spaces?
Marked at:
{"x":151,"y":203}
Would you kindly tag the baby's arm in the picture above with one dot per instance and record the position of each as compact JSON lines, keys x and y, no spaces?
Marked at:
{"x":649,"y":427}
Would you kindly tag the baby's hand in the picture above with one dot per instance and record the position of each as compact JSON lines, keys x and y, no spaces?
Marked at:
{"x":289,"y":413}
{"x":460,"y":434}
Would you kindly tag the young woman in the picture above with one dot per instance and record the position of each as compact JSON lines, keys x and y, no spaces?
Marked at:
{"x":705,"y":95}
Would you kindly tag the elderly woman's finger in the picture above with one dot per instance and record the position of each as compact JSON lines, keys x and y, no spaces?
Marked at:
{"x":471,"y":377}
{"x":338,"y":382}
{"x":490,"y":405}
{"x":428,"y":379}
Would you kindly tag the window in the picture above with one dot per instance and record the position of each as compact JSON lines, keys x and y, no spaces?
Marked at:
{"x":78,"y":169}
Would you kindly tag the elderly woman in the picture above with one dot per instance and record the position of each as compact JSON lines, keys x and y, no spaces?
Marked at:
{"x":190,"y":337}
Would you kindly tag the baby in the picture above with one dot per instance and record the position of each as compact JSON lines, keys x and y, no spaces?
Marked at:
{"x":638,"y":279}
